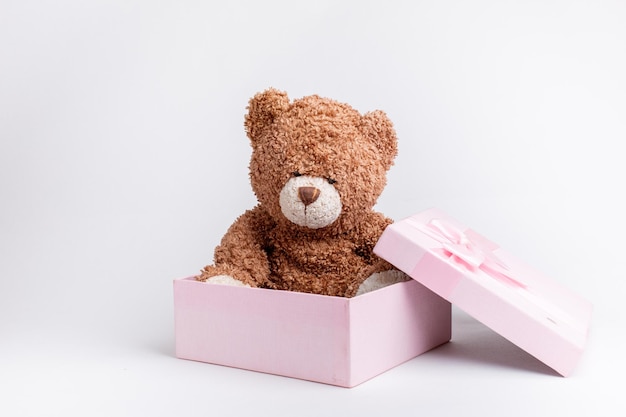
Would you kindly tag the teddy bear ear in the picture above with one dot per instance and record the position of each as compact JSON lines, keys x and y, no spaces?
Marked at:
{"x":379,"y":129}
{"x":263,"y":108}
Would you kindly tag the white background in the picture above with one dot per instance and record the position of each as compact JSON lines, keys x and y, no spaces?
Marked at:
{"x":123,"y":160}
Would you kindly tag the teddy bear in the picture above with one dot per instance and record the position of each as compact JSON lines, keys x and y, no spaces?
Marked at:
{"x":317,"y":169}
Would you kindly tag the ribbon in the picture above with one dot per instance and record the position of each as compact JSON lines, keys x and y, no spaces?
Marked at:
{"x":458,"y":247}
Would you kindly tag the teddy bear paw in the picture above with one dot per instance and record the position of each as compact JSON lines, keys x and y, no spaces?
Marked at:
{"x":226,"y":280}
{"x":381,"y":279}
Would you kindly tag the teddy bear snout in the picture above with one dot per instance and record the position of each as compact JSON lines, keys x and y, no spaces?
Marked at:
{"x":308,"y":195}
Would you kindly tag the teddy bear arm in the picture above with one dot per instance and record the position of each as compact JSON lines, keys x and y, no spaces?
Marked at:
{"x":375,"y":268}
{"x":372,"y":228}
{"x":242,"y":253}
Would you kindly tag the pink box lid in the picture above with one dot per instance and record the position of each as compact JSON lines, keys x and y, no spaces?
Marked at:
{"x":531,"y":310}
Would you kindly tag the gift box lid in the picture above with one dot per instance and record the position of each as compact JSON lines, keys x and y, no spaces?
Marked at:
{"x":531,"y":310}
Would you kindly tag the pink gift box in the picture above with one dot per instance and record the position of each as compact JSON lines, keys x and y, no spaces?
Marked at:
{"x":333,"y":340}
{"x":531,"y":310}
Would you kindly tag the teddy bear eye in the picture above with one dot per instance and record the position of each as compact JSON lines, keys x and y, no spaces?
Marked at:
{"x":296,"y":174}
{"x":331,"y":180}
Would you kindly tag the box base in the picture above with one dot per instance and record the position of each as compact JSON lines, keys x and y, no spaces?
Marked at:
{"x":332,"y":340}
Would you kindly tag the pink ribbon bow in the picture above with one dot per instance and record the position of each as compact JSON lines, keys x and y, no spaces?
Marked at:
{"x":473,"y":255}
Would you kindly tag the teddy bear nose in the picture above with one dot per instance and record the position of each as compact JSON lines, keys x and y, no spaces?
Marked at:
{"x":308,"y":195}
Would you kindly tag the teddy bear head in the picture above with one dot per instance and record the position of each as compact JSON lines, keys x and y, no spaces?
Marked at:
{"x":317,"y":165}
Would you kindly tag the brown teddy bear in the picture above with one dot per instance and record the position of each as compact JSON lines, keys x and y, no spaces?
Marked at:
{"x":317,"y":169}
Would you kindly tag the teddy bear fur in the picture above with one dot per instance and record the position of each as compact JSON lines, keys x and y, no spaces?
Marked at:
{"x":334,"y":150}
